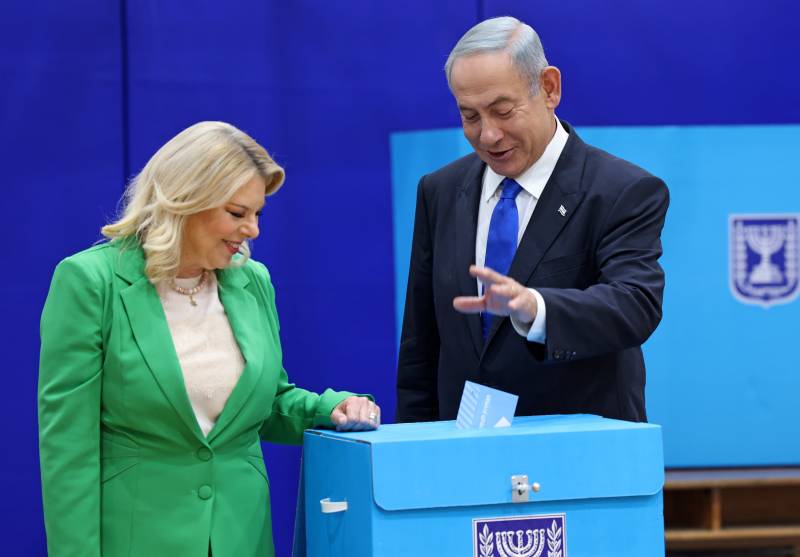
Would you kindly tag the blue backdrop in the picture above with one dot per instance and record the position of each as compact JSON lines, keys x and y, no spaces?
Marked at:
{"x":91,"y":88}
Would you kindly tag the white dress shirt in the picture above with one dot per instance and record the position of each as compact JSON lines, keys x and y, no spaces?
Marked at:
{"x":532,"y":181}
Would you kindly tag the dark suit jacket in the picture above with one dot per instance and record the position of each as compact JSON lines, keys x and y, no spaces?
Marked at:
{"x":596,"y":268}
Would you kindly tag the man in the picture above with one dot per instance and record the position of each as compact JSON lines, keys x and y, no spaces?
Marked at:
{"x":534,"y":265}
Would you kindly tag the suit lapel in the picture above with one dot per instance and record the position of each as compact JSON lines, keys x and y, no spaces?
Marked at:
{"x":152,"y":334}
{"x":466,"y":230}
{"x":241,"y":307}
{"x":563,"y":190}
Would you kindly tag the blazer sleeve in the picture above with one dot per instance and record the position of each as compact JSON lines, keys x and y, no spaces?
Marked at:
{"x":418,"y":360}
{"x":294,"y":409}
{"x":70,"y":370}
{"x":622,"y":309}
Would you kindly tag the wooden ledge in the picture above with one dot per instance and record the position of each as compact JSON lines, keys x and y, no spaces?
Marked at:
{"x":734,"y":534}
{"x":731,"y":477}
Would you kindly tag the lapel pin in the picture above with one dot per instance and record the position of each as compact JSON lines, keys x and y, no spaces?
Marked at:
{"x":562,"y":211}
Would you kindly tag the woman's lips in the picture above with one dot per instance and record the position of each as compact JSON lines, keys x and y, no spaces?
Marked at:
{"x":233,"y":247}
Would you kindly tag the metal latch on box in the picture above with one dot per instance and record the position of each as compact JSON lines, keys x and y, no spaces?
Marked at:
{"x":520,"y":488}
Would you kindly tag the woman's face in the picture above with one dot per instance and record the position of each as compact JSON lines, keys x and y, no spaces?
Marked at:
{"x":213,"y":236}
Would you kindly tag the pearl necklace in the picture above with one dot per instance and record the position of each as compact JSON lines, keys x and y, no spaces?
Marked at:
{"x":190,"y":291}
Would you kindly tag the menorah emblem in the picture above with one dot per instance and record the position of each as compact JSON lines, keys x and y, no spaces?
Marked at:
{"x":508,"y":547}
{"x":765,"y":239}
{"x":765,"y":258}
{"x":520,"y":536}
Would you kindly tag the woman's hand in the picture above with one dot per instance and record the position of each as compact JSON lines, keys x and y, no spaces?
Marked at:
{"x":356,"y":413}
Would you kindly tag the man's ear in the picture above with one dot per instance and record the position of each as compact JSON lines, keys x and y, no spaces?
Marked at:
{"x":550,"y":85}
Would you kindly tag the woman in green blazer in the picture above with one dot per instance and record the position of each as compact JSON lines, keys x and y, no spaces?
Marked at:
{"x":133,"y":463}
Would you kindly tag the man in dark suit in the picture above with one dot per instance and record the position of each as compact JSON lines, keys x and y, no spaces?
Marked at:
{"x":534,"y":264}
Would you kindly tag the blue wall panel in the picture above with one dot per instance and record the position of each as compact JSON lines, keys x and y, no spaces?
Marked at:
{"x":722,"y":375}
{"x":645,"y":62}
{"x":61,"y":154}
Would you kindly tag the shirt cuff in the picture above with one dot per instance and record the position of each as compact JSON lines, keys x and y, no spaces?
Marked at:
{"x":536,"y":331}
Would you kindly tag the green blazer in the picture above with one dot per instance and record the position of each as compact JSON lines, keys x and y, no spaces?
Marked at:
{"x":126,"y":470}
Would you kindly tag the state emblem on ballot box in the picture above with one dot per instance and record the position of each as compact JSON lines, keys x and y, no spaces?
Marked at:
{"x":520,"y":536}
{"x":542,"y":487}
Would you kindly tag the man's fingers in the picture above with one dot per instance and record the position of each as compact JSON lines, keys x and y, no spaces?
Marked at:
{"x":505,"y":290}
{"x":486,"y":275}
{"x":502,"y":296}
{"x":469,"y":304}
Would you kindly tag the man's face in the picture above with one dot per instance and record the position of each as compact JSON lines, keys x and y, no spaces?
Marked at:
{"x":507,"y":126}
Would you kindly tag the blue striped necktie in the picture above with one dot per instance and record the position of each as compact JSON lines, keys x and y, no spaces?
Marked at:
{"x":502,"y":240}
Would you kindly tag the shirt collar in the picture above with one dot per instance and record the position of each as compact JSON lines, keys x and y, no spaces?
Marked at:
{"x":535,"y":178}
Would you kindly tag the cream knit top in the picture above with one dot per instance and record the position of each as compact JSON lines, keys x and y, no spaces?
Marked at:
{"x":207,"y":350}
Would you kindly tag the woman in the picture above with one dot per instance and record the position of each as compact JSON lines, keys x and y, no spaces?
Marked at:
{"x":161,"y":369}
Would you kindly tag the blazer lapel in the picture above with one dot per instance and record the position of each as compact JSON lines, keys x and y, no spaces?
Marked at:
{"x":241,"y":307}
{"x":152,"y":334}
{"x":562,"y":191}
{"x":466,"y":230}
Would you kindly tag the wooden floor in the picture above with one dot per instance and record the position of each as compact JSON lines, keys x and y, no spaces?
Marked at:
{"x":733,"y":512}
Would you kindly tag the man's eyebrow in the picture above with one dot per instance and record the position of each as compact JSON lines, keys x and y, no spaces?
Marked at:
{"x":498,"y":100}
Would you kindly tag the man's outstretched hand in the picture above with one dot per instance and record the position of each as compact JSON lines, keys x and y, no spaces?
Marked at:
{"x":502,"y":295}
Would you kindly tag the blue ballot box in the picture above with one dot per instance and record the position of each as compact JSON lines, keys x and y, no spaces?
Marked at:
{"x":548,"y":486}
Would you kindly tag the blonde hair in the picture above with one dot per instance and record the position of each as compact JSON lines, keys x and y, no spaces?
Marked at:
{"x":198,"y":169}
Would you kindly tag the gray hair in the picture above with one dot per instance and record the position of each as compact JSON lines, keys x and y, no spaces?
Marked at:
{"x":503,"y":33}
